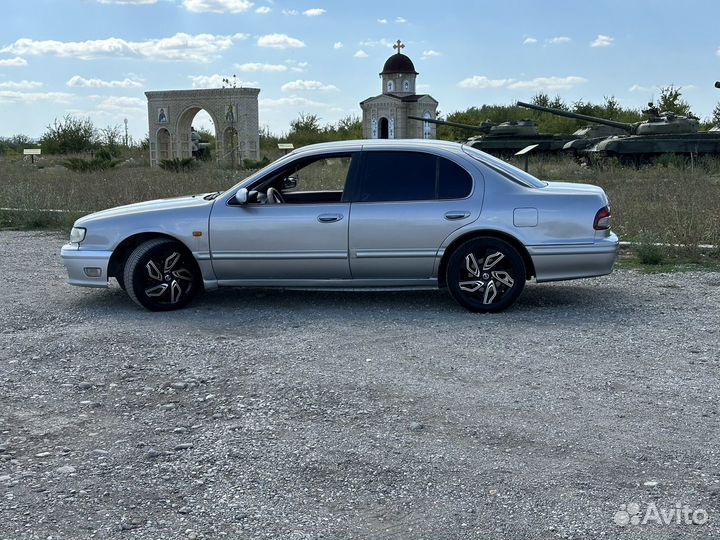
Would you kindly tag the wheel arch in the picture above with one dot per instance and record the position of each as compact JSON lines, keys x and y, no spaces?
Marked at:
{"x":122,"y":251}
{"x":488,"y":233}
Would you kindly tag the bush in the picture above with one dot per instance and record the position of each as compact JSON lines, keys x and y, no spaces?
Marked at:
{"x":177,"y":165}
{"x":252,"y":164}
{"x":69,"y":136}
{"x":103,"y":160}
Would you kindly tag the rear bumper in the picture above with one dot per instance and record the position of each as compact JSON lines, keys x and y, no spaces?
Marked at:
{"x":82,"y":266}
{"x":560,"y":262}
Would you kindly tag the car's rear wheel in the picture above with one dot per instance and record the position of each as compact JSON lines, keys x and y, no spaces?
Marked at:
{"x":161,"y":275}
{"x":485,"y":275}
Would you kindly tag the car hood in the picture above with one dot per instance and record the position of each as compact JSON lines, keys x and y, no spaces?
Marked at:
{"x":158,"y":205}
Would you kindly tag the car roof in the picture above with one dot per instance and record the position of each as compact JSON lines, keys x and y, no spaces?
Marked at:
{"x":390,"y":144}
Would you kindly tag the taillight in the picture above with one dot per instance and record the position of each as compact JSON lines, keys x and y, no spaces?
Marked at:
{"x":602,"y":219}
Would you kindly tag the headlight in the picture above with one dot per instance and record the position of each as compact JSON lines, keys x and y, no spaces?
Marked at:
{"x":77,"y":234}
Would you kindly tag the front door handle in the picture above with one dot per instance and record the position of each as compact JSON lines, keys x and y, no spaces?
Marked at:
{"x":329,"y":218}
{"x":456,"y":215}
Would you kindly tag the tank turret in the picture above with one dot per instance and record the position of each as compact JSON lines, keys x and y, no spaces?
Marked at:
{"x":640,"y":142}
{"x":506,"y":138}
{"x":659,"y":123}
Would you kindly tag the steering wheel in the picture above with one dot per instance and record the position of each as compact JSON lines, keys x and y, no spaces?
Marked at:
{"x":274,"y":196}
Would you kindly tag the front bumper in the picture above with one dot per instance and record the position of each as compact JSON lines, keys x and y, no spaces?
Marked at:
{"x":574,"y":261}
{"x":86,"y":268}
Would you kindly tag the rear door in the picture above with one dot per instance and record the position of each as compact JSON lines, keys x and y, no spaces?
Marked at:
{"x":406,"y":204}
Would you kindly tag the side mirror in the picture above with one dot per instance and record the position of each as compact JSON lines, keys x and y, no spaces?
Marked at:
{"x":290,"y":182}
{"x":242,"y":196}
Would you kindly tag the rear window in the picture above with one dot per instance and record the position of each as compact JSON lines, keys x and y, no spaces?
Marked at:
{"x":412,"y":176}
{"x":504,"y":168}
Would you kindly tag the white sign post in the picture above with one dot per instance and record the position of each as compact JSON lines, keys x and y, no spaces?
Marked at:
{"x":32,"y":152}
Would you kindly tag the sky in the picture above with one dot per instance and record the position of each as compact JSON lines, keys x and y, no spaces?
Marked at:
{"x":96,"y":58}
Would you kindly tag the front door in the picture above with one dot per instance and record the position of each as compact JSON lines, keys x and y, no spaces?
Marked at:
{"x":301,"y":236}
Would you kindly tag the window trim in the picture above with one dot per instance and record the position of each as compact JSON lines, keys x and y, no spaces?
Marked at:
{"x":360,"y":177}
{"x":350,"y":180}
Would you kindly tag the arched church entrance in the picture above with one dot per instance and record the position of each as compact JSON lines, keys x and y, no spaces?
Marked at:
{"x":234,"y":114}
{"x":190,"y":144}
{"x":384,"y":130}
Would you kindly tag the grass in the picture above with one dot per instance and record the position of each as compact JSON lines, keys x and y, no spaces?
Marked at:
{"x":666,"y":203}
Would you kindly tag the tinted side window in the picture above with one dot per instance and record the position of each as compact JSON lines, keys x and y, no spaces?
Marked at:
{"x":398,"y":176}
{"x":454,"y":181}
{"x":412,"y":176}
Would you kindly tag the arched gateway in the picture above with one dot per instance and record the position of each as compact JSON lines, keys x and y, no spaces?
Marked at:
{"x":234,"y":112}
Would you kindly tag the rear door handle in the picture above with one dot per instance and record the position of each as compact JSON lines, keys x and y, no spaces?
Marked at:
{"x":456,"y":215}
{"x":329,"y":218}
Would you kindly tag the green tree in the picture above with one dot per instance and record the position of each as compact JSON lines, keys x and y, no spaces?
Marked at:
{"x":716,"y":115}
{"x":70,"y":135}
{"x":671,"y":101}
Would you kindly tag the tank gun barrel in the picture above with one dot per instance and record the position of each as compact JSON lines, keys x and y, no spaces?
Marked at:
{"x":482,"y":129}
{"x":620,"y":125}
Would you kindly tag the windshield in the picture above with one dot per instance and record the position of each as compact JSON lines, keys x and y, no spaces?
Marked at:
{"x":504,"y":168}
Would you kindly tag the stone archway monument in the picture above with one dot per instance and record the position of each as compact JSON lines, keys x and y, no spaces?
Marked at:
{"x":234,"y":112}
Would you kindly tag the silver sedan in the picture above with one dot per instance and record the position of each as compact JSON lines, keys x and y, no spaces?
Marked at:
{"x":381,"y":214}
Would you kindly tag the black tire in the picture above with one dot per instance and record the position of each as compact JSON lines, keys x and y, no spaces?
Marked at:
{"x":485,"y":275}
{"x":161,"y":275}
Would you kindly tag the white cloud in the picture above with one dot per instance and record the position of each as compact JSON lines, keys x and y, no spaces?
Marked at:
{"x":382,"y":21}
{"x":77,"y":81}
{"x":338,"y":45}
{"x":400,"y":20}
{"x":548,"y":83}
{"x":430,"y":54}
{"x":119,"y":103}
{"x":559,"y":40}
{"x":360,"y":54}
{"x":716,"y":52}
{"x":638,"y":88}
{"x":292,"y":101}
{"x":530,"y":41}
{"x":128,"y":2}
{"x":216,"y":81}
{"x":307,"y":85}
{"x":314,"y":12}
{"x":257,"y":67}
{"x":480,"y":81}
{"x":263,"y":10}
{"x":377,"y":43}
{"x":279,"y":41}
{"x":180,"y":47}
{"x":13,"y":62}
{"x":290,"y":12}
{"x":602,"y":41}
{"x":21,"y":85}
{"x":299,"y":67}
{"x":217,"y":6}
{"x":11,"y":96}
{"x":539,"y":83}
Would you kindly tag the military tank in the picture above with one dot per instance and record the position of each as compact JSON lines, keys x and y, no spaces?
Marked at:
{"x":662,"y":133}
{"x":506,"y":138}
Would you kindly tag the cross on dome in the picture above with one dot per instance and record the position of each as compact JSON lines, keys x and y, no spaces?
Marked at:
{"x":399,"y":45}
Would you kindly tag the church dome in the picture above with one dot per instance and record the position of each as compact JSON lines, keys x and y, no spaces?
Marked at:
{"x":398,"y":63}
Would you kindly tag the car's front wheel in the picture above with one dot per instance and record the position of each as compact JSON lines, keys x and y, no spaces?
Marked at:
{"x":485,"y":275}
{"x":161,"y":275}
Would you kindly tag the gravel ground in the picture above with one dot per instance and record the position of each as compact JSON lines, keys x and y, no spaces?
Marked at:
{"x":296,"y":415}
